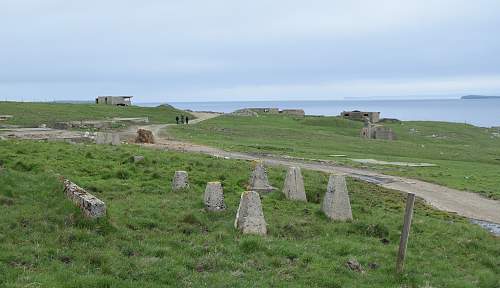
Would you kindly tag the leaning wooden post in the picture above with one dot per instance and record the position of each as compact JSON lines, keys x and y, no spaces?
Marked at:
{"x":410,"y":200}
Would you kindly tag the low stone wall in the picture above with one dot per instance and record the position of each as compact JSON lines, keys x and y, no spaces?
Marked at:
{"x":293,"y":112}
{"x":379,"y":132}
{"x":99,"y":124}
{"x":88,"y":203}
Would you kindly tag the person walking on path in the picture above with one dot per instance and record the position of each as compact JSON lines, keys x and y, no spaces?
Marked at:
{"x":182,"y":119}
{"x":177,"y":119}
{"x":187,"y":120}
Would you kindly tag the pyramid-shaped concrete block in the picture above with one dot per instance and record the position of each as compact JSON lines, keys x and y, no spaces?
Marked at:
{"x":259,"y":181}
{"x":294,"y":185}
{"x":250,"y":217}
{"x":180,"y":181}
{"x":214,"y":197}
{"x":336,"y":204}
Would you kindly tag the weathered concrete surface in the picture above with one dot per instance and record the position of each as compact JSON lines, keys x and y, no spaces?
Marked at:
{"x":336,"y":204}
{"x":180,"y":181}
{"x":138,"y":159}
{"x":115,"y":139}
{"x":294,"y":185}
{"x":250,"y":217}
{"x":259,"y":181}
{"x":45,"y":134}
{"x":375,"y":131}
{"x":88,"y":203}
{"x":214,"y":197}
{"x":144,"y":136}
{"x":103,"y":138}
{"x":100,"y":138}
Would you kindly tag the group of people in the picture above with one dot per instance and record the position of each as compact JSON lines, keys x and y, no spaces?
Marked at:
{"x":182,"y":119}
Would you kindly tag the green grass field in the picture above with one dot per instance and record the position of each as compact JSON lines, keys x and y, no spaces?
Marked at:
{"x":34,"y":114}
{"x":468,"y":157}
{"x":153,"y":237}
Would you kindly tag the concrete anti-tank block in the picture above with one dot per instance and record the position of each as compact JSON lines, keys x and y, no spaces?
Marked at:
{"x":115,"y":139}
{"x":259,"y":181}
{"x":336,"y":204}
{"x":180,"y":181}
{"x":250,"y":217}
{"x":294,"y":185}
{"x":214,"y":197}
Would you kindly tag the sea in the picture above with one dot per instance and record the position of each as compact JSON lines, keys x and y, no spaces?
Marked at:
{"x":478,"y":112}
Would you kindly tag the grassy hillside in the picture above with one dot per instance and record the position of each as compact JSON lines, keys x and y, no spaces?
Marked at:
{"x":468,"y":156}
{"x":33,"y":114}
{"x":153,"y":237}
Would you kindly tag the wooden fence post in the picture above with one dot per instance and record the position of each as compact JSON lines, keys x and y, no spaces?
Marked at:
{"x":410,"y":200}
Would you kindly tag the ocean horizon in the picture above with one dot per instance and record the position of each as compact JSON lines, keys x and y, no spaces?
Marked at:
{"x":478,"y":112}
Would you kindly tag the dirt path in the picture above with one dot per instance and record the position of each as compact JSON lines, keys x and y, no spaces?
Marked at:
{"x":156,"y":128}
{"x":470,"y":205}
{"x":467,"y":204}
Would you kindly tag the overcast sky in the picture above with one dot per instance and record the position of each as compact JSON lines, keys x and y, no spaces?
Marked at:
{"x":164,"y":51}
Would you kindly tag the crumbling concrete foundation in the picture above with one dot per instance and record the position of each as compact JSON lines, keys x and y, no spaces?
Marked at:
{"x":103,"y":138}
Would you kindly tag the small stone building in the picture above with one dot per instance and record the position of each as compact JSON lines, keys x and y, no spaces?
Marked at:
{"x":374,"y":117}
{"x":114,"y":100}
{"x":373,"y":131}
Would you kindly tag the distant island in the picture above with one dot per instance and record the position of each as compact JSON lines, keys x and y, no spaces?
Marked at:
{"x":468,"y":97}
